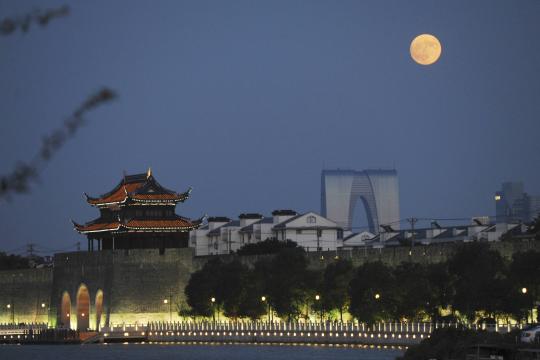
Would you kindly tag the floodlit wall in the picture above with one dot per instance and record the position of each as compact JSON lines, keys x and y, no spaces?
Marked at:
{"x":132,"y":285}
{"x":25,"y":295}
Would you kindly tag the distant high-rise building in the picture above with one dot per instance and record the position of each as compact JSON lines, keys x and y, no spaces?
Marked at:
{"x":513,"y":204}
{"x":534,"y":206}
{"x":377,"y":189}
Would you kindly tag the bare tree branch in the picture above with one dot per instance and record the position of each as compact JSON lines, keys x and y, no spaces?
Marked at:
{"x":41,"y":17}
{"x":18,"y":181}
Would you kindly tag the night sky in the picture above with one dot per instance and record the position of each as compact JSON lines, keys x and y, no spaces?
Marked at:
{"x":247,"y":101}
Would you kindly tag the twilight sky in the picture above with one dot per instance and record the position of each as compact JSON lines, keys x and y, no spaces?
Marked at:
{"x":247,"y":101}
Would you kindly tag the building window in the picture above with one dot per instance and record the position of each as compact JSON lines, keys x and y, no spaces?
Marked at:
{"x":311,"y":219}
{"x":339,"y":234}
{"x":299,"y":231}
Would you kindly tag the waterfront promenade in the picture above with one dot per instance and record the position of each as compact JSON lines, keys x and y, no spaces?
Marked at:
{"x":392,"y":334}
{"x":354,"y":333}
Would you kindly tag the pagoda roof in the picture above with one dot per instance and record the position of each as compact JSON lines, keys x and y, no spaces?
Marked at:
{"x":138,"y":189}
{"x":176,"y":224}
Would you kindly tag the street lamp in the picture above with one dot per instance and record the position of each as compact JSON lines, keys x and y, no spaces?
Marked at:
{"x":317,"y":298}
{"x":12,"y":307}
{"x":377,"y":296}
{"x":263,"y":299}
{"x":524,"y":290}
{"x":168,"y":301}
{"x":213,"y":301}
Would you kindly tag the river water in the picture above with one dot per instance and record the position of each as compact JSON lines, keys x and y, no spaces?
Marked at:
{"x":192,"y":352}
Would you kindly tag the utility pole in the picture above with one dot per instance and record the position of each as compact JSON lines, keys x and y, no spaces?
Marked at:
{"x":30,"y":250}
{"x":412,"y":221}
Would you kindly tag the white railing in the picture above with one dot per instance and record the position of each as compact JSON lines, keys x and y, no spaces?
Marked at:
{"x":416,"y":327}
{"x":15,"y":329}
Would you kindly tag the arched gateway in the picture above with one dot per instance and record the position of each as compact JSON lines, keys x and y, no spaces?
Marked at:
{"x":83,"y":308}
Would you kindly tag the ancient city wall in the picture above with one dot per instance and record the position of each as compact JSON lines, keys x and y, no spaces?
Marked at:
{"x":135,"y":283}
{"x":25,"y":295}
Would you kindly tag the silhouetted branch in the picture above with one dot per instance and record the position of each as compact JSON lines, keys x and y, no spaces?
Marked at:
{"x":41,"y":17}
{"x":18,"y":181}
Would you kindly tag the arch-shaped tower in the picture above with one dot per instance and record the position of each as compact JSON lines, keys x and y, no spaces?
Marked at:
{"x":377,"y":189}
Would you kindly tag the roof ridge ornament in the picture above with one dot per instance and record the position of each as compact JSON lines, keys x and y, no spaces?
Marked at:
{"x":149,"y":173}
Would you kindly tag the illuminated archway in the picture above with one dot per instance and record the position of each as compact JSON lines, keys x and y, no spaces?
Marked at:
{"x":65,"y":310}
{"x":83,"y":308}
{"x":99,"y":307}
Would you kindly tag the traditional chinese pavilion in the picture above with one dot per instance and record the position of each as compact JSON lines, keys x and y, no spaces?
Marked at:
{"x":138,"y":213}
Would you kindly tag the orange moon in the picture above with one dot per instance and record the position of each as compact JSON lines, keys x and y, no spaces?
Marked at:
{"x":425,"y":49}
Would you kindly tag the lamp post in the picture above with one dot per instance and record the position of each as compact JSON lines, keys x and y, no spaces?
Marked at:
{"x":263,"y":299}
{"x":43,"y":306}
{"x":317,"y":299}
{"x":168,"y":301}
{"x":213,"y":301}
{"x":524,"y":291}
{"x":12,"y":308}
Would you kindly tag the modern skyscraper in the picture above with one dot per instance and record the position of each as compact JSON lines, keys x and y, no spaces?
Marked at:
{"x":377,"y":189}
{"x":513,"y":204}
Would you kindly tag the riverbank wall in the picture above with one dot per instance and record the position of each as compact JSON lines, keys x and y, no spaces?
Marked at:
{"x":92,"y":289}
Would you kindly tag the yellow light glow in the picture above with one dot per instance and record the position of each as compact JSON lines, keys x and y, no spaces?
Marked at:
{"x":524,"y":290}
{"x":263,"y":298}
{"x":213,"y":299}
{"x":498,"y":197}
{"x":317,"y":297}
{"x":377,"y":296}
{"x":42,"y":305}
{"x":425,"y":49}
{"x":8,"y":306}
{"x":165,"y":301}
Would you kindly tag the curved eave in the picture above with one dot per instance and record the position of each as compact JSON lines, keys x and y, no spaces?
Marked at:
{"x":159,"y":229}
{"x":86,"y":229}
{"x":159,"y":201}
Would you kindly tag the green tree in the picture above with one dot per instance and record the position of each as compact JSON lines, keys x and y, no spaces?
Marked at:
{"x":251,"y":304}
{"x":335,"y":286}
{"x":371,"y":293}
{"x":524,"y":276}
{"x":287,"y":284}
{"x":411,"y":291}
{"x":232,"y":287}
{"x":202,"y":286}
{"x":441,"y":291}
{"x":479,"y":275}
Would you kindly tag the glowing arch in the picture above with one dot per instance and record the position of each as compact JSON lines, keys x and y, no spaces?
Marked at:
{"x":99,"y":307}
{"x":83,"y":308}
{"x":65,"y":310}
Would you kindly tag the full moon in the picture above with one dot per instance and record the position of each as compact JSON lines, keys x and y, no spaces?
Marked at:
{"x":425,"y":49}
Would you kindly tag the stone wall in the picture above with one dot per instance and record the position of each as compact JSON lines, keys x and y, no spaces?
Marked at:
{"x":28,"y":294}
{"x":135,"y":283}
{"x":425,"y":254}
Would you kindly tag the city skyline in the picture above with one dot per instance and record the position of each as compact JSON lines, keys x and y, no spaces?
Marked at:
{"x":248,"y":104}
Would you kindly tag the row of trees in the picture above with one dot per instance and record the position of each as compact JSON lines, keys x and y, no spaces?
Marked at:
{"x":475,"y":283}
